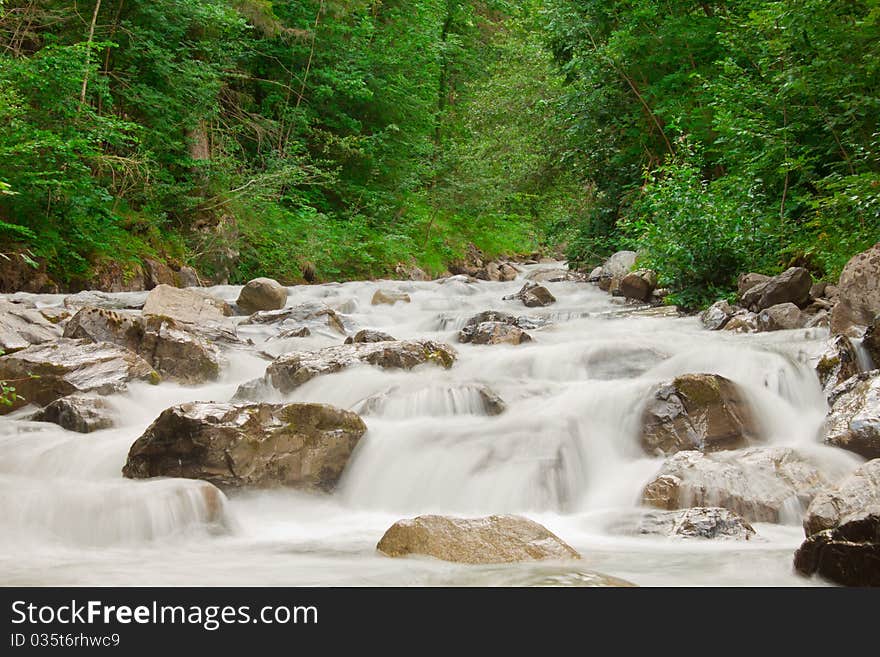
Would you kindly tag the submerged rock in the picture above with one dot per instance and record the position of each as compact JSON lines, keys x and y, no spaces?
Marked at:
{"x":853,"y":422}
{"x":705,"y":412}
{"x":22,"y":326}
{"x":761,"y":484}
{"x":43,"y":373}
{"x":791,"y":286}
{"x":695,"y":523}
{"x":190,"y":305}
{"x":858,"y":294}
{"x":78,"y":413}
{"x":858,"y":491}
{"x":493,"y":539}
{"x":261,"y":294}
{"x":389,"y":297}
{"x":849,"y":554}
{"x":303,"y":446}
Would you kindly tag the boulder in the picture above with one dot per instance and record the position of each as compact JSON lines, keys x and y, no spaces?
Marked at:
{"x":817,"y":291}
{"x":698,"y":522}
{"x":837,"y":363}
{"x":172,"y":350}
{"x":638,"y":284}
{"x":746,"y":282}
{"x":187,"y":277}
{"x":596,"y":274}
{"x":389,"y":297}
{"x":22,"y":326}
{"x":533,"y":295}
{"x":493,"y":539}
{"x":368,"y":335}
{"x":742,"y":321}
{"x":780,"y":317}
{"x":871,"y":342}
{"x":261,"y":294}
{"x":44,"y":373}
{"x":858,"y":294}
{"x":704,"y":412}
{"x":853,"y":422}
{"x":118,"y":301}
{"x":79,"y":413}
{"x":791,"y":286}
{"x":849,"y":554}
{"x":291,"y":370}
{"x":857,"y":491}
{"x":304,"y":446}
{"x":619,"y":264}
{"x":311,"y":315}
{"x":190,"y":306}
{"x":410,"y":273}
{"x":761,"y":484}
{"x":507,"y":272}
{"x":523,"y":322}
{"x":157,"y":273}
{"x":494,"y":333}
{"x":717,"y":315}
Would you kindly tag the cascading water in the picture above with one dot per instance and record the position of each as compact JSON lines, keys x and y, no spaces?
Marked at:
{"x":564,"y":452}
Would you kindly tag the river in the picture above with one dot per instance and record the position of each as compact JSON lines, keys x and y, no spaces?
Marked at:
{"x":565,"y":453}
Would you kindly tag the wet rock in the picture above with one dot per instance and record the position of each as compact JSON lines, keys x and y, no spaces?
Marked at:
{"x":291,"y":370}
{"x":68,"y":366}
{"x":169,"y":347}
{"x":638,"y":284}
{"x":261,"y":294}
{"x":837,"y":363}
{"x":761,"y":484}
{"x":871,"y":342}
{"x":119,"y":301}
{"x":742,"y":322}
{"x":389,"y":297}
{"x":301,"y":332}
{"x":191,"y":306}
{"x":849,"y":554}
{"x":704,"y":412}
{"x":533,"y":296}
{"x":699,"y":522}
{"x":857,"y":491}
{"x":311,"y":315}
{"x":853,"y":423}
{"x":555,"y":276}
{"x":304,"y":446}
{"x":369,"y":335}
{"x":493,"y":539}
{"x":78,"y":413}
{"x":494,"y":333}
{"x":781,"y":317}
{"x":717,"y":315}
{"x":522,"y":322}
{"x":157,"y":273}
{"x":746,"y":282}
{"x":858,"y":294}
{"x":791,"y":286}
{"x":821,"y":319}
{"x":22,"y":326}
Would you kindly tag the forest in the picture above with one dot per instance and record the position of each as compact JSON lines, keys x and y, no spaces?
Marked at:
{"x":270,"y":138}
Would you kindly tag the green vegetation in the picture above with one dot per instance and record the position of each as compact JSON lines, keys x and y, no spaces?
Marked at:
{"x":262,"y":137}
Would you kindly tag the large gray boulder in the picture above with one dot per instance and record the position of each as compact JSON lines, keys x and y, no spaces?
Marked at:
{"x":746,"y":282}
{"x":831,"y":505}
{"x":22,"y":326}
{"x":261,"y":294}
{"x":190,"y":305}
{"x":759,"y":483}
{"x":43,"y":373}
{"x":493,"y":539}
{"x":858,"y":294}
{"x":619,"y":264}
{"x":791,"y":286}
{"x":304,"y":446}
{"x":704,"y":412}
{"x":80,"y":413}
{"x":781,"y":317}
{"x":849,"y":554}
{"x":853,"y":422}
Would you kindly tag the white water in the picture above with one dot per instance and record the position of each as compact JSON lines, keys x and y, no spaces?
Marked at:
{"x":564,"y":453}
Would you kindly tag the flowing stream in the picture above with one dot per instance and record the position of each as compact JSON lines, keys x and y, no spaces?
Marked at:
{"x":564,"y":453}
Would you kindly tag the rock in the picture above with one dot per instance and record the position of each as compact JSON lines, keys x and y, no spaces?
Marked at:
{"x":761,"y":484}
{"x":410,"y":273}
{"x":555,"y":276}
{"x":705,"y":412}
{"x":190,"y":306}
{"x":837,"y":363}
{"x":301,"y":332}
{"x":494,"y":333}
{"x":261,"y":294}
{"x":169,"y":347}
{"x":522,"y":322}
{"x":311,"y":315}
{"x":22,"y":326}
{"x":157,"y":273}
{"x":853,"y":423}
{"x":619,"y":264}
{"x":858,"y":294}
{"x":821,"y":319}
{"x":596,"y":274}
{"x":717,"y":315}
{"x":742,"y":322}
{"x":368,"y":335}
{"x":856,"y":492}
{"x":871,"y":342}
{"x":309,"y":272}
{"x":291,"y":370}
{"x":67,"y":366}
{"x":791,"y":286}
{"x":77,"y":413}
{"x":533,"y":295}
{"x":507,"y":272}
{"x":746,"y":282}
{"x":493,"y":539}
{"x":817,"y":291}
{"x":780,"y":317}
{"x":304,"y":446}
{"x":128,"y":300}
{"x":848,"y":554}
{"x":187,"y":277}
{"x":389,"y":297}
{"x":698,"y":522}
{"x":638,"y":284}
